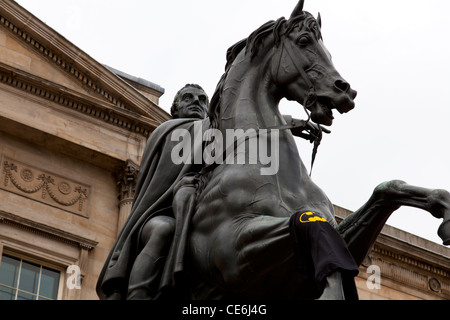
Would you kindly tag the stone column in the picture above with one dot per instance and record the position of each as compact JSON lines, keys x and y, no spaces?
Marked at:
{"x":82,"y":263}
{"x":126,"y":181}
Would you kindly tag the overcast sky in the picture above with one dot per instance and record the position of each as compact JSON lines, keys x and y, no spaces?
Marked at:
{"x":395,"y":53}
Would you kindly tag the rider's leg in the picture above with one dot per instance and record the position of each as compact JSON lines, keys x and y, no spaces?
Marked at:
{"x":156,"y":237}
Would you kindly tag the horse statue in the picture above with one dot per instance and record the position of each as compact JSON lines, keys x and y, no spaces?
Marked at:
{"x":243,"y":234}
{"x":240,"y":240}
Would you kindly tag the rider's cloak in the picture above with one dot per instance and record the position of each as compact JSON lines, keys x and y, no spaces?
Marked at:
{"x":154,"y":193}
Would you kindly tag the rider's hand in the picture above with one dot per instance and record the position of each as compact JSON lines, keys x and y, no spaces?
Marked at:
{"x":307,"y":130}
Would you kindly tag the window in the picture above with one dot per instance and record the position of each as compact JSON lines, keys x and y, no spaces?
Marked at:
{"x":23,"y":280}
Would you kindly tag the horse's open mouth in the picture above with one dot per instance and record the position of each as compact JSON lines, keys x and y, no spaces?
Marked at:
{"x":322,"y":111}
{"x":328,"y":108}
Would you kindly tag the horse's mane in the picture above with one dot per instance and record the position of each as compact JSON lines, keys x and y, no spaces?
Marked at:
{"x":252,"y":44}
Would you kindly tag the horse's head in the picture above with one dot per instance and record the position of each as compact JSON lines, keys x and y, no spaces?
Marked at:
{"x":290,"y":60}
{"x":303,"y":69}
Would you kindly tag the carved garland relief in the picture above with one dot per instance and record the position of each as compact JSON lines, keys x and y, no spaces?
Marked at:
{"x":44,"y":187}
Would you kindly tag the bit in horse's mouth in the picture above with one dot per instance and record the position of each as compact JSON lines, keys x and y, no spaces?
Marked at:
{"x":327,"y":105}
{"x":329,"y":112}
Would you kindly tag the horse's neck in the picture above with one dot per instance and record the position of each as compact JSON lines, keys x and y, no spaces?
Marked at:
{"x":247,"y":102}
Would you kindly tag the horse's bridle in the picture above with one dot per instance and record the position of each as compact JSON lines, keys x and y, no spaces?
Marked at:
{"x":310,"y":98}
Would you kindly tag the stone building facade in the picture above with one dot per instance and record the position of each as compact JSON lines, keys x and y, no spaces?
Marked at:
{"x":72,"y":133}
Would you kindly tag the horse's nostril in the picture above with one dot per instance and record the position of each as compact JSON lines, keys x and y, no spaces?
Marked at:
{"x":342,"y":85}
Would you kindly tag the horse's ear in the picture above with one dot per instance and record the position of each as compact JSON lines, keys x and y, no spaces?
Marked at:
{"x":298,"y":9}
{"x":319,"y":20}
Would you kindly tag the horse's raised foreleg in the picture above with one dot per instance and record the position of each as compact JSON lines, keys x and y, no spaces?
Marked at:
{"x":361,"y":228}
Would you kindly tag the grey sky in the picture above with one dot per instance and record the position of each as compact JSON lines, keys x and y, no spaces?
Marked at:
{"x":393,"y":52}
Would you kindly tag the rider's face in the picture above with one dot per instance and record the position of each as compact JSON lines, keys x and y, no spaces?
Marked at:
{"x":192,"y":103}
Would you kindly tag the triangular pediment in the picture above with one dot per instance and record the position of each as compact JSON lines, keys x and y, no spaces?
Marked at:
{"x":19,"y":56}
{"x":45,"y":63}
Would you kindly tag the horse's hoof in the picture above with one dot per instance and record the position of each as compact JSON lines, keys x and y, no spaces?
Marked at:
{"x":444,"y":232}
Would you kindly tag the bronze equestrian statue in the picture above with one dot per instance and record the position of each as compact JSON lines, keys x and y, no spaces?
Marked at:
{"x":241,"y":234}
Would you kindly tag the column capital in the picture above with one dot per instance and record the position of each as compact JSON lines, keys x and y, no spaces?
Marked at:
{"x":126,"y":176}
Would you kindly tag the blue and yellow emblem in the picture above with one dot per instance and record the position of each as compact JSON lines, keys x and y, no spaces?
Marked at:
{"x":310,"y":216}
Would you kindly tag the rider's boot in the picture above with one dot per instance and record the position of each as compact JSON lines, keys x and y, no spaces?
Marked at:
{"x":144,"y":280}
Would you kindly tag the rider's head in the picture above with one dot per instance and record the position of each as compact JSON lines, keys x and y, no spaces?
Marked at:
{"x":190,"y":101}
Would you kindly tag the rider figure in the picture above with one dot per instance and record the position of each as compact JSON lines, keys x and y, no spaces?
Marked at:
{"x":156,"y":234}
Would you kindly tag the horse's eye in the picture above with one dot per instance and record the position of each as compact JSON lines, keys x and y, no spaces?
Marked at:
{"x":303,"y":40}
{"x":314,"y":74}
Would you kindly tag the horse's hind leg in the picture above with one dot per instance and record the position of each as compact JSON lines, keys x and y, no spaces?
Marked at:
{"x":361,"y":228}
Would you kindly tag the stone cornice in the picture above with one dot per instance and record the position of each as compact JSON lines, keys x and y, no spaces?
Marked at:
{"x":74,"y":100}
{"x":422,"y":264}
{"x":77,"y":64}
{"x":47,"y":231}
{"x":419,"y":274}
{"x":428,"y":273}
{"x":413,"y":254}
